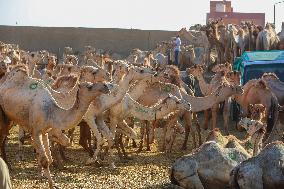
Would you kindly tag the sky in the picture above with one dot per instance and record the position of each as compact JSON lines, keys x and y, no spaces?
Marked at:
{"x":143,"y":14}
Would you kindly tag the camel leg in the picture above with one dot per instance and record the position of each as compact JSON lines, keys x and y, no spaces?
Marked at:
{"x":214,"y":116}
{"x":197,"y":128}
{"x":188,"y":123}
{"x":42,"y":158}
{"x":45,"y":141}
{"x":226,"y":114}
{"x":85,"y":136}
{"x":71,"y":135}
{"x":148,"y":136}
{"x":21,"y":140}
{"x":142,"y":132}
{"x":106,"y":132}
{"x":206,"y":119}
{"x":92,"y":124}
{"x":152,"y":135}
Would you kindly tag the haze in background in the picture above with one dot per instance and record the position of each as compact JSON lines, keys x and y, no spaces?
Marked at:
{"x":143,"y":14}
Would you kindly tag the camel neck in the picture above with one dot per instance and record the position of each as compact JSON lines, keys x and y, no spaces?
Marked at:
{"x":204,"y":86}
{"x":146,"y":113}
{"x":72,"y":117}
{"x":106,"y":101}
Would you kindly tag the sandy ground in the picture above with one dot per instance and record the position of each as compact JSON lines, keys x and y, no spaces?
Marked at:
{"x":145,"y":170}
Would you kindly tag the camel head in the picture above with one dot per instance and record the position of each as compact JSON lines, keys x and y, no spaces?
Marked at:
{"x":71,"y":59}
{"x":234,"y":77}
{"x":92,"y":74}
{"x":257,"y":111}
{"x":227,"y":90}
{"x":51,"y":62}
{"x":91,"y":90}
{"x":68,"y":50}
{"x":14,"y":55}
{"x":196,"y":70}
{"x":120,"y":68}
{"x":173,"y":103}
{"x":227,"y":67}
{"x":3,"y":68}
{"x":215,"y":135}
{"x":182,"y":31}
{"x":171,"y":74}
{"x":142,"y":72}
{"x":67,"y":69}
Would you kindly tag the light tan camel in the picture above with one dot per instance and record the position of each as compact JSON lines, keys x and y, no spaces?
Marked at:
{"x":94,"y":116}
{"x":48,"y":115}
{"x":262,"y":171}
{"x":207,"y":167}
{"x":197,"y":39}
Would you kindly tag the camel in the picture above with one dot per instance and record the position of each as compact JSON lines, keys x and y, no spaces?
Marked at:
{"x":262,"y":171}
{"x":256,"y":92}
{"x":207,"y":88}
{"x":49,"y":117}
{"x":257,"y":112}
{"x":187,"y":57}
{"x":67,"y":51}
{"x":14,"y":56}
{"x":230,"y":141}
{"x":275,"y":85}
{"x":209,"y":166}
{"x":255,"y":129}
{"x":267,"y":39}
{"x":104,"y":102}
{"x":197,"y":39}
{"x":278,"y":127}
{"x":161,"y":90}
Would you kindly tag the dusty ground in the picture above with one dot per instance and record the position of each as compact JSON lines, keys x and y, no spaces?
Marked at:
{"x":146,"y":170}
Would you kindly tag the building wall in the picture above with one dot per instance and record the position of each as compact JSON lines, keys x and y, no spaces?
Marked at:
{"x":54,"y":39}
{"x":227,"y":3}
{"x":237,"y":18}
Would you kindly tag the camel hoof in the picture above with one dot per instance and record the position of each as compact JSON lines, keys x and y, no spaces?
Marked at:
{"x":112,"y":166}
{"x":148,"y":149}
{"x":90,"y":161}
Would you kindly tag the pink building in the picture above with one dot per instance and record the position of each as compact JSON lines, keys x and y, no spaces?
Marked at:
{"x":224,"y":10}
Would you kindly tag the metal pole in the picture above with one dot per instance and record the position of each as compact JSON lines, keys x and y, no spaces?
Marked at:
{"x":274,"y":16}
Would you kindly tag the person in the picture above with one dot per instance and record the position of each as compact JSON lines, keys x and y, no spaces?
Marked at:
{"x":5,"y":181}
{"x":177,"y":44}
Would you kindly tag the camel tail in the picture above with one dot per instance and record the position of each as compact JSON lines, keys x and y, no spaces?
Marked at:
{"x":273,"y":114}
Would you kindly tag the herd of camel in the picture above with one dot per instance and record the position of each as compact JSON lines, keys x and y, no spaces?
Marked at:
{"x":45,"y":97}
